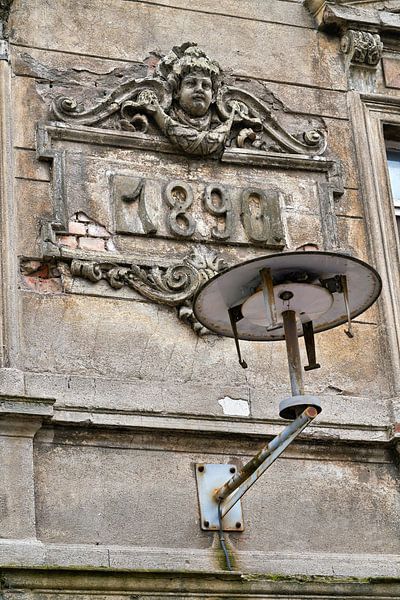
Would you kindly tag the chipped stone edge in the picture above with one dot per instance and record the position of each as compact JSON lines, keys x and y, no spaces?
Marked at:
{"x":4,"y":50}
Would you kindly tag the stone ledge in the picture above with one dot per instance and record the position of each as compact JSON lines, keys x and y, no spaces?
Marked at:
{"x":360,"y":29}
{"x":26,"y":406}
{"x":105,"y":402}
{"x":211,"y":424}
{"x":22,"y":416}
{"x":12,"y":382}
{"x":335,"y":15}
{"x":101,"y":394}
{"x":29,"y":554}
{"x":197,"y":586}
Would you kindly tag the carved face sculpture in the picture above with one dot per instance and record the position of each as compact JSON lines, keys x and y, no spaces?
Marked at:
{"x":196,"y":93}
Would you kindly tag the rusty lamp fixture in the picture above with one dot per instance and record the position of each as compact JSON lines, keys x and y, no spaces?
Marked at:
{"x":277,"y":297}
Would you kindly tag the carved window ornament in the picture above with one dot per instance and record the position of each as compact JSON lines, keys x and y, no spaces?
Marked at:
{"x":360,"y":28}
{"x":362,"y":47}
{"x":185,"y":108}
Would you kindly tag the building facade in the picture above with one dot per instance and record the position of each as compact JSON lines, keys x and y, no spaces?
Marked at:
{"x":145,"y":147}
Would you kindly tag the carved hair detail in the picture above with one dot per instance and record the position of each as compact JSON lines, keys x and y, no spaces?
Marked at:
{"x":184,"y":59}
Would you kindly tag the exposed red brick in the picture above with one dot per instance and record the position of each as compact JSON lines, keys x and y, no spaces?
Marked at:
{"x":43,"y":272}
{"x":49,"y":286}
{"x":45,"y":286}
{"x":68,"y":240}
{"x":397,"y":428}
{"x":87,"y":243}
{"x":29,"y":281}
{"x":77,"y":228}
{"x":31,"y":266}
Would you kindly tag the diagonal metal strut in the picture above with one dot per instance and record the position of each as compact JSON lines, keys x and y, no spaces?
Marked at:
{"x":231,"y":492}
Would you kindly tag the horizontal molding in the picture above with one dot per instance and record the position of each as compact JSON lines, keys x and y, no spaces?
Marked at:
{"x":215,"y":424}
{"x":32,"y":554}
{"x":26,"y":406}
{"x":76,"y":400}
{"x":47,"y":133}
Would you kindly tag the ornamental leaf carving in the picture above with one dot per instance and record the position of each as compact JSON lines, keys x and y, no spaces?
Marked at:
{"x":174,"y":285}
{"x":188,"y":102}
{"x":362,"y":47}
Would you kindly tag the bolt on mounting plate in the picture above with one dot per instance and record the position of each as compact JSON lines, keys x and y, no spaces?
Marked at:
{"x":210,"y":477}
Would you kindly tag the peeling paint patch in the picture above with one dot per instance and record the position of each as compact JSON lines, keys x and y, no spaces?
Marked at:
{"x":234,"y":407}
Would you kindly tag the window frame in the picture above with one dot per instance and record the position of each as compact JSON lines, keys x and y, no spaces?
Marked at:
{"x":393,"y":145}
{"x":371,"y":116}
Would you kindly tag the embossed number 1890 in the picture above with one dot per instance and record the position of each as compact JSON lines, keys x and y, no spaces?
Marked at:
{"x":238,"y":215}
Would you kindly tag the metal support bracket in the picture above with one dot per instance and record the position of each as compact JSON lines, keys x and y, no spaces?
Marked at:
{"x":209,"y":478}
{"x":223,"y":485}
{"x":235,"y":315}
{"x":308,"y":333}
{"x":269,"y":298}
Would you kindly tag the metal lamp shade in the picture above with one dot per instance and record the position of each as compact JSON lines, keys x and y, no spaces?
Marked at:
{"x":301,"y":273}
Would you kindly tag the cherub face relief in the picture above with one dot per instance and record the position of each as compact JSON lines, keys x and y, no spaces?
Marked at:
{"x":195,"y":94}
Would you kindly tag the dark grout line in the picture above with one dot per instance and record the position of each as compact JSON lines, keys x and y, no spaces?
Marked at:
{"x":84,"y":55}
{"x":22,"y":178}
{"x":214,"y":13}
{"x":355,"y":217}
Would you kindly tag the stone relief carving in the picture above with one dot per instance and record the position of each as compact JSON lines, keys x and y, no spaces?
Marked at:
{"x":188,"y":102}
{"x":338,"y":15}
{"x":214,"y":213}
{"x":362,"y":47}
{"x":185,"y":104}
{"x":142,"y":208}
{"x":174,"y":285}
{"x":361,"y":24}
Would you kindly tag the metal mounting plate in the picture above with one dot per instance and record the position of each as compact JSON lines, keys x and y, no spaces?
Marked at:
{"x":209,"y":477}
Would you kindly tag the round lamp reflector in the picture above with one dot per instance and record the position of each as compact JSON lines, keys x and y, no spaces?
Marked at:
{"x":307,"y":300}
{"x":312,"y":277}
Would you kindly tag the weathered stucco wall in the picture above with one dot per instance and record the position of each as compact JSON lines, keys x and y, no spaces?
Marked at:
{"x":110,"y":396}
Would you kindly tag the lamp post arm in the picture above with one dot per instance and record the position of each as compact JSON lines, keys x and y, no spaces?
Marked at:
{"x":231,"y":492}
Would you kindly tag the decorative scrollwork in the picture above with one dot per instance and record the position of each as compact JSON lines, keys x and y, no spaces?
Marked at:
{"x":312,"y":138}
{"x":87,"y":270}
{"x":207,"y":264}
{"x":174,"y":285}
{"x":67,"y":109}
{"x":68,"y":105}
{"x":188,"y":103}
{"x":252,"y":112}
{"x":362,"y":47}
